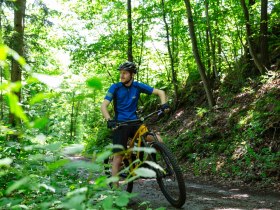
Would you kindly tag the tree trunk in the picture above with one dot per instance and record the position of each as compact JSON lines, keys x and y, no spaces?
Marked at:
{"x":219,"y":52}
{"x":200,"y":65}
{"x":19,"y":14}
{"x":170,"y":54}
{"x":76,"y":118}
{"x":1,"y":96}
{"x":212,"y":42}
{"x":72,"y":120}
{"x":142,"y":45}
{"x":1,"y":72}
{"x":264,"y":34}
{"x":129,"y":32}
{"x":257,"y":61}
{"x":208,"y":51}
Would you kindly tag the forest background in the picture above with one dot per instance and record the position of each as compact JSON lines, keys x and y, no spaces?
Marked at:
{"x":218,"y":62}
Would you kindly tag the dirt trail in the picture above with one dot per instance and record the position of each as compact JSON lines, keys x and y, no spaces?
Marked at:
{"x":201,"y":196}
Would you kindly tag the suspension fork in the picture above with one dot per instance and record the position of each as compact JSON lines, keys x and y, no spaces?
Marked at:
{"x":151,"y":134}
{"x":149,"y":143}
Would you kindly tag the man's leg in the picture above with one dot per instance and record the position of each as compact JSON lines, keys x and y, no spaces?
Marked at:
{"x":117,"y":161}
{"x":121,"y":136}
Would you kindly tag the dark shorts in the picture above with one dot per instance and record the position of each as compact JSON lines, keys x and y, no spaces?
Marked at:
{"x":121,"y":136}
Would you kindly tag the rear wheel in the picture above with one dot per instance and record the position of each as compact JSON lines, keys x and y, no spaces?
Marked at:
{"x":170,"y":180}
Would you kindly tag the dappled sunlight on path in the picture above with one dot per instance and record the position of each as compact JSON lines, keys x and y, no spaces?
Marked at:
{"x":206,"y":197}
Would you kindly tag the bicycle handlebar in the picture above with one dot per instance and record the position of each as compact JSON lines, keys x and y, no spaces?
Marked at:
{"x":139,"y":120}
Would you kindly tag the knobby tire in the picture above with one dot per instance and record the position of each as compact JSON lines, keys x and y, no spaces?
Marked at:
{"x":176,"y":192}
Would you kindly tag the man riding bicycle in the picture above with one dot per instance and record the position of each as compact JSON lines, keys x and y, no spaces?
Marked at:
{"x":125,"y":95}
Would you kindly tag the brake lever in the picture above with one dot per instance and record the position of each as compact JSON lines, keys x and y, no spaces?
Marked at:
{"x":116,"y":127}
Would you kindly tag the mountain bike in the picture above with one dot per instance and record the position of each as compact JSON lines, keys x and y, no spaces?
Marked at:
{"x":160,"y":160}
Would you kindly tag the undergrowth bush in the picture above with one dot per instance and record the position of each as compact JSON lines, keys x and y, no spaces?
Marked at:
{"x":98,"y":141}
{"x":239,"y":139}
{"x":43,"y":177}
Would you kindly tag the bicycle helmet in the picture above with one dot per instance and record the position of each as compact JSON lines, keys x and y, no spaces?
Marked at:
{"x":128,"y":66}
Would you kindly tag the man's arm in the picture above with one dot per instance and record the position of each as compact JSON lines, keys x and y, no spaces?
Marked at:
{"x":104,"y":109}
{"x":161,"y":95}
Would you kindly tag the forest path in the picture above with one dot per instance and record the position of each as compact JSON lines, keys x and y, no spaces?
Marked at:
{"x":205,"y":196}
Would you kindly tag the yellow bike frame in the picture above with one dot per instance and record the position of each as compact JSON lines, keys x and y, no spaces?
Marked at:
{"x":142,"y":130}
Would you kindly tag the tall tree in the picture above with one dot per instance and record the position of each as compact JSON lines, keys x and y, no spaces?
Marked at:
{"x":199,"y":63}
{"x":129,"y":32}
{"x":211,"y":40}
{"x":249,"y":34}
{"x":19,"y":13}
{"x":1,"y":70}
{"x":170,"y":52}
{"x":264,"y":34}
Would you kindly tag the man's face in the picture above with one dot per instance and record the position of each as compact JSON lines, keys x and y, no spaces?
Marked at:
{"x":125,"y":76}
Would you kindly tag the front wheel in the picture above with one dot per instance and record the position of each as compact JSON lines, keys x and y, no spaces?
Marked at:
{"x":170,"y":180}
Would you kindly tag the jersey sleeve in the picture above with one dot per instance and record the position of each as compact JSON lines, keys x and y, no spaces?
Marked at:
{"x":110,"y":93}
{"x":145,"y":88}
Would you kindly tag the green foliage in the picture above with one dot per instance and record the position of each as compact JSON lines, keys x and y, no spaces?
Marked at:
{"x":34,"y":169}
{"x":15,"y":108}
{"x":239,"y":138}
{"x":73,"y":54}
{"x":94,"y":83}
{"x":35,"y":178}
{"x":201,"y":111}
{"x":99,"y":140}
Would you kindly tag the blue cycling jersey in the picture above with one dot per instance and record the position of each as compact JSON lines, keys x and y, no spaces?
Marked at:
{"x":126,"y":99}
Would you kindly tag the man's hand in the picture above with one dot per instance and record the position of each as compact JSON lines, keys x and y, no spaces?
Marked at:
{"x":165,"y":108}
{"x":111,"y":124}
